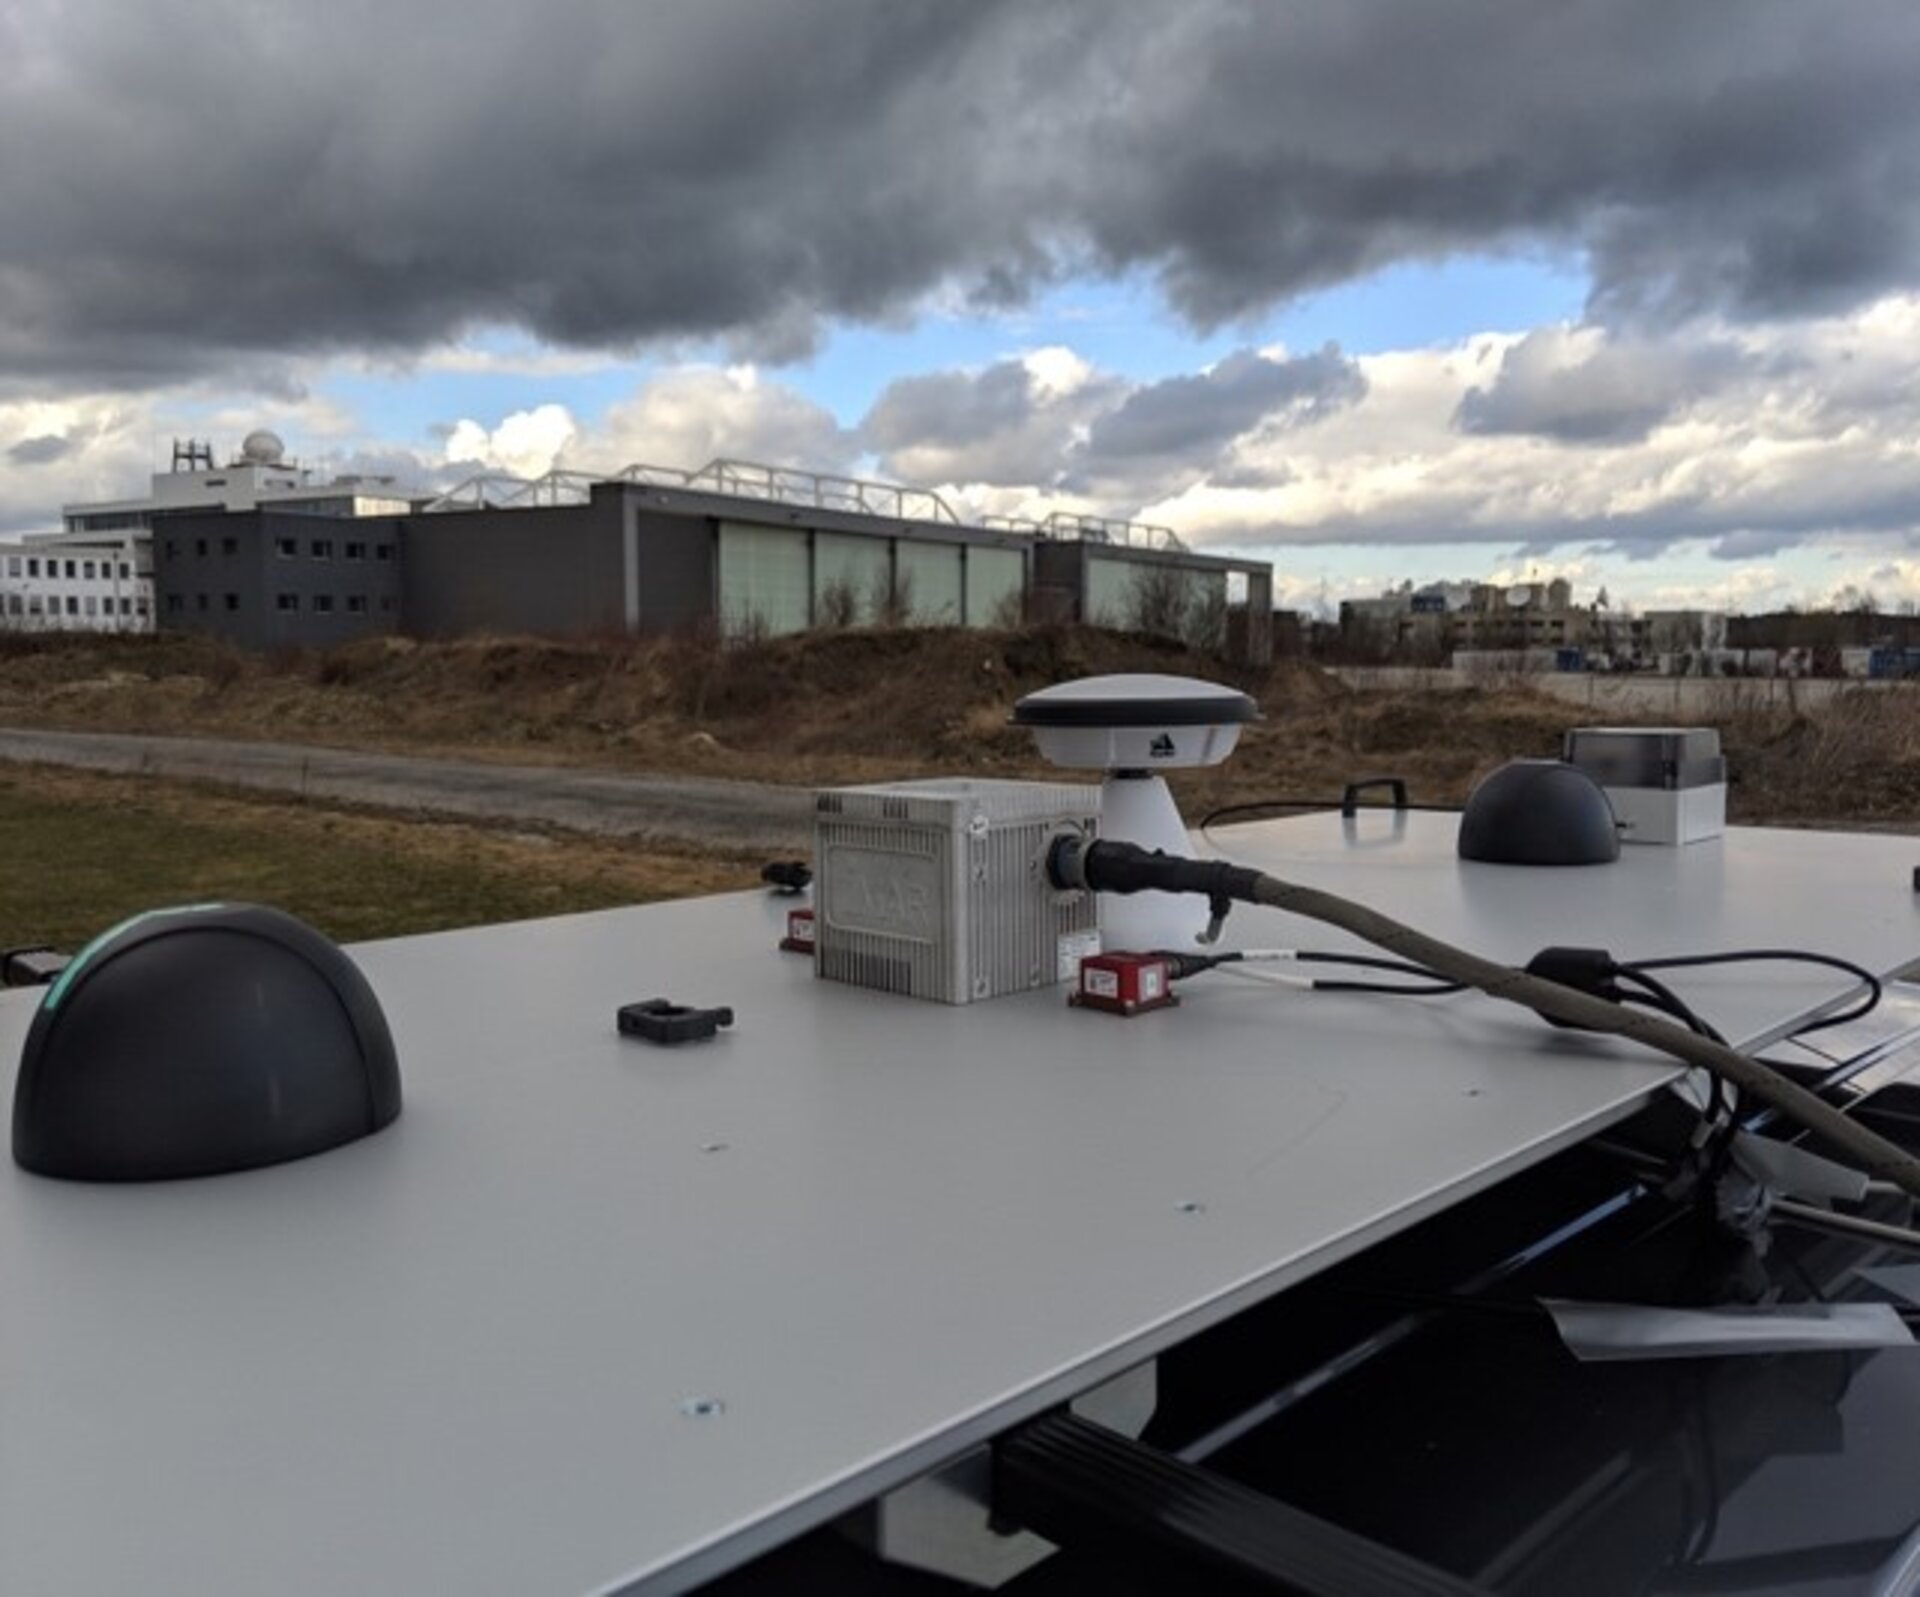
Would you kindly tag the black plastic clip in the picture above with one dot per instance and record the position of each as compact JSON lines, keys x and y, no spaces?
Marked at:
{"x":663,"y":1021}
{"x":787,"y":876}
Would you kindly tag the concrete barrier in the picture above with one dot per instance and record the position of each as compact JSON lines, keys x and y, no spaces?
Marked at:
{"x":1681,"y":698}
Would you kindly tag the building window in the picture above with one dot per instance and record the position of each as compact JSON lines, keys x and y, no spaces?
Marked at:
{"x":172,"y":549}
{"x":286,"y":548}
{"x":126,"y":607}
{"x":141,"y":607}
{"x":86,"y":570}
{"x":233,"y":601}
{"x":13,"y":604}
{"x":175,"y":602}
{"x":322,"y":548}
{"x":33,"y":604}
{"x":383,"y":550}
{"x":126,"y":571}
{"x":323,"y":604}
{"x":70,"y":566}
{"x":200,"y":547}
{"x":229,"y":546}
{"x":356,"y":551}
{"x":286,"y":601}
{"x":356,"y":604}
{"x":93,"y":607}
{"x":33,"y":568}
{"x":73,"y":605}
{"x":13,"y":565}
{"x":216,"y":482}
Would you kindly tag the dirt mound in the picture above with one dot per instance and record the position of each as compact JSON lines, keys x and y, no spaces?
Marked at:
{"x":859,"y":705}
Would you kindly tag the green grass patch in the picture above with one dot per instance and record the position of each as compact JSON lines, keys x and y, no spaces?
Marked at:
{"x":84,"y":852}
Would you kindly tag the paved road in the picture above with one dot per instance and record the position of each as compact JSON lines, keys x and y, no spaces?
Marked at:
{"x":748,"y":816}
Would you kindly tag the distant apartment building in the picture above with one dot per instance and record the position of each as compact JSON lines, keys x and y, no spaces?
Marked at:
{"x":1432,"y":624}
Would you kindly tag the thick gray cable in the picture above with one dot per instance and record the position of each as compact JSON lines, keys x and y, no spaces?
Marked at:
{"x":1867,"y":1149}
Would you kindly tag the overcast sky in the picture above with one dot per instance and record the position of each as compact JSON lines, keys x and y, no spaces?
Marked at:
{"x":1624,"y":289}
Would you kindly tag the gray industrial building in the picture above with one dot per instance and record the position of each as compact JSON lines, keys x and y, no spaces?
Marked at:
{"x":279,"y":578}
{"x":654,"y":556}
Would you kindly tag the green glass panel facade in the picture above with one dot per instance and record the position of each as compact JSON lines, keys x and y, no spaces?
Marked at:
{"x":1184,"y":603}
{"x":763,"y":579}
{"x":1110,"y":594}
{"x":859,"y":567}
{"x":996,"y":585}
{"x":930,"y":574}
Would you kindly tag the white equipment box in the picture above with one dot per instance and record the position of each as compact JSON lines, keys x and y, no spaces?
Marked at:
{"x":1666,"y":784}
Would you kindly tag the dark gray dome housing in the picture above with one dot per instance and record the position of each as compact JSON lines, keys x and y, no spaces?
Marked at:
{"x":1539,"y":812}
{"x":187,"y":1042}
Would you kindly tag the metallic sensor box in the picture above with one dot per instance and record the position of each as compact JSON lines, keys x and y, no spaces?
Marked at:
{"x":1666,"y":784}
{"x":938,"y":889}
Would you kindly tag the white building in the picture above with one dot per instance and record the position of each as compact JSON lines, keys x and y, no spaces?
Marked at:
{"x":92,"y":582}
{"x":259,"y":476}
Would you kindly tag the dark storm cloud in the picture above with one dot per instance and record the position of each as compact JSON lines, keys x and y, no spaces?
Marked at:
{"x":1736,"y":527}
{"x":189,"y":181}
{"x":1191,"y":418}
{"x":1004,"y":426}
{"x":1613,"y":394}
{"x":1754,"y":543}
{"x":1000,"y":426}
{"x":41,"y":450}
{"x":953,"y":408}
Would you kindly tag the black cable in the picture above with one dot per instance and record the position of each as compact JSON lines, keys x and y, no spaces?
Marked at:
{"x":1431,"y":985}
{"x":1664,"y":997}
{"x":1266,"y":806}
{"x":1441,"y":989}
{"x":1657,"y":995}
{"x":1722,"y":1106}
{"x":1114,"y":867}
{"x":1868,"y":1003}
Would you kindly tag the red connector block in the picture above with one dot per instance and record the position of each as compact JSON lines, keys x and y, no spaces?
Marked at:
{"x":799,"y":938}
{"x":1124,"y":984}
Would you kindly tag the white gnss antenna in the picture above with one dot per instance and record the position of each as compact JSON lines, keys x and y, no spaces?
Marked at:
{"x":1133,"y":727}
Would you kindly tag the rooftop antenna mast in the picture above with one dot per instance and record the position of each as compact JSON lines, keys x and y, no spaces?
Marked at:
{"x":191,"y":454}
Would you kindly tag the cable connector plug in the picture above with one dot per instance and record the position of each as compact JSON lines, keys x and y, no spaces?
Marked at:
{"x":1588,"y":970}
{"x":1181,"y":965}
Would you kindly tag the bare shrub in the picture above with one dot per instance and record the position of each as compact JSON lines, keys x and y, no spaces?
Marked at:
{"x":1159,"y":602}
{"x":1009,"y":611}
{"x":837,"y":605}
{"x":1206,"y":622}
{"x":721,"y":671}
{"x":891,"y":602}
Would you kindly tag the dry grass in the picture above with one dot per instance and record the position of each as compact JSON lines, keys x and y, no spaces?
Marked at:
{"x":860,"y":703}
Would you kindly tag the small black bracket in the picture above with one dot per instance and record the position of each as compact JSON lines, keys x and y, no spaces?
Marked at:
{"x":663,"y":1021}
{"x":1350,"y":799}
